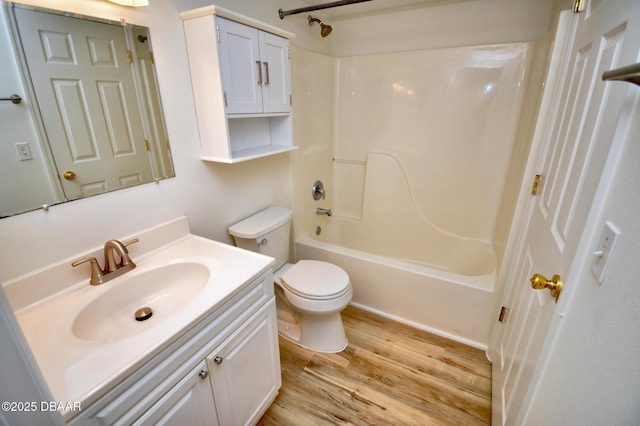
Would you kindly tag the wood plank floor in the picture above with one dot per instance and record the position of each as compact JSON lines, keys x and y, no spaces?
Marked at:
{"x":390,"y":374}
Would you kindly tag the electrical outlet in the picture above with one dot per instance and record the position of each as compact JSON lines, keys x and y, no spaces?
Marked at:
{"x":24,"y":151}
{"x":604,"y":251}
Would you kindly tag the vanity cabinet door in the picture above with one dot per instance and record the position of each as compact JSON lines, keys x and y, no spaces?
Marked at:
{"x":254,"y":68}
{"x":189,"y":402}
{"x":245,"y":369}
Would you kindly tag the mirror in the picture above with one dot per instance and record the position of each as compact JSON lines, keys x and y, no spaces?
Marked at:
{"x":89,"y":119}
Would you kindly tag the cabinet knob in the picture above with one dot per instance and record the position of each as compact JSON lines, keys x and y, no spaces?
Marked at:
{"x":218,"y":360}
{"x":203,"y":374}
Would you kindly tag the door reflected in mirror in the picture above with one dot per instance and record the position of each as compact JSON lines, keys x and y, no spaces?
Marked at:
{"x":90,"y":120}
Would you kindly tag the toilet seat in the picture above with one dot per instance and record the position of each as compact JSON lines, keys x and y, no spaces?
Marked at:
{"x":316,"y":280}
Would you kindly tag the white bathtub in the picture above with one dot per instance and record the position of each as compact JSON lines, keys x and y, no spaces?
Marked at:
{"x":420,"y":148}
{"x":450,"y":305}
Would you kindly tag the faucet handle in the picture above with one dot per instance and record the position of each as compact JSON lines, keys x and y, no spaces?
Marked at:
{"x":132,"y":241}
{"x":96,"y":273}
{"x":317,"y":190}
{"x":126,"y":260}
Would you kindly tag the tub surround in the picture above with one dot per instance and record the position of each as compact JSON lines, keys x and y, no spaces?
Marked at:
{"x":406,"y":179}
{"x":441,"y":116}
{"x":392,"y":224}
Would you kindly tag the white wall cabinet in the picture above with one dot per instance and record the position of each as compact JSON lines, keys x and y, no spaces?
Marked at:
{"x":186,"y":384}
{"x":241,"y":79}
{"x":255,"y":69}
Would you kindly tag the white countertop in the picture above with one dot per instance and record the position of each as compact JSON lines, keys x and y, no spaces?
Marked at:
{"x":78,"y":370}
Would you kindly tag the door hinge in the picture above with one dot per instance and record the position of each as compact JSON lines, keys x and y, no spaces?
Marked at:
{"x":535,"y":188}
{"x":289,"y":52}
{"x":129,"y":56}
{"x":218,"y":33}
{"x":224,"y":96}
{"x":503,"y":313}
{"x":578,"y":6}
{"x":146,"y":145}
{"x":290,"y":100}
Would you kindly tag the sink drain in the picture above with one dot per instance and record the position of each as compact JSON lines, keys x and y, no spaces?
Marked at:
{"x":143,"y":314}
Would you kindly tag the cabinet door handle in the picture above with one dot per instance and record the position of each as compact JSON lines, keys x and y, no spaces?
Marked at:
{"x":203,"y":374}
{"x":266,"y":70}
{"x":259,"y":73}
{"x":218,"y":360}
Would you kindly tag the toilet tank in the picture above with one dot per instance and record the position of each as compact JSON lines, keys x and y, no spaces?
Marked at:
{"x":266,"y":232}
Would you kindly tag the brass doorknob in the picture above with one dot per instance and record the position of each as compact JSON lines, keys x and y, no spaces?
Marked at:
{"x":69,"y":175}
{"x":539,"y":282}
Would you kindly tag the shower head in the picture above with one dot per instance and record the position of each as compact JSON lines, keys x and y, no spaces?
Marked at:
{"x":325,"y":30}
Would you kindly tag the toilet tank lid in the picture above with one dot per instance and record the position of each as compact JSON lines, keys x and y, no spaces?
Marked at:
{"x":261,"y":223}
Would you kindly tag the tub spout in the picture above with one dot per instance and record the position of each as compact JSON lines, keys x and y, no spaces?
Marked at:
{"x":321,"y":211}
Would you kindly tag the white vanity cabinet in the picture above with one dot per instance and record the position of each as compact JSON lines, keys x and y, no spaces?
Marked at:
{"x":223,"y":371}
{"x":188,"y":403}
{"x":245,"y":372}
{"x":240,"y":75}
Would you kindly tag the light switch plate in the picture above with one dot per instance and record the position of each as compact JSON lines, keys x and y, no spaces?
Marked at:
{"x":24,"y":151}
{"x":604,"y":251}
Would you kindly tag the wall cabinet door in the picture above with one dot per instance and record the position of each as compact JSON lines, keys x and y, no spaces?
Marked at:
{"x":255,"y":69}
{"x":245,"y":369}
{"x":276,"y":85}
{"x":189,"y":402}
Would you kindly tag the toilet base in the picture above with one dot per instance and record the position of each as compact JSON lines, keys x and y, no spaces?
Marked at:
{"x":318,"y":340}
{"x":321,"y":333}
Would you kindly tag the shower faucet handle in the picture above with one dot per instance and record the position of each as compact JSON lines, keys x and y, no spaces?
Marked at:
{"x":317,"y":190}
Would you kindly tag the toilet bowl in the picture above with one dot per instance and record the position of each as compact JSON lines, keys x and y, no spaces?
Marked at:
{"x":310,"y":294}
{"x":317,"y":292}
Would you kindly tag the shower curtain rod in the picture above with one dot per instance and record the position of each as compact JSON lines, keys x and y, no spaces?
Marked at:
{"x":283,"y":13}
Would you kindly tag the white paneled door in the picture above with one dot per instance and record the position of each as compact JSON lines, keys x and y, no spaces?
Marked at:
{"x":84,"y":86}
{"x":571,"y":147}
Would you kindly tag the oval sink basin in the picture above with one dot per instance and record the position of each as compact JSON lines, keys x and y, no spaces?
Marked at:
{"x":112,"y":315}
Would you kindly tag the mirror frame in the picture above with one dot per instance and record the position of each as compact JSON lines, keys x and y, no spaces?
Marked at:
{"x":39,"y":130}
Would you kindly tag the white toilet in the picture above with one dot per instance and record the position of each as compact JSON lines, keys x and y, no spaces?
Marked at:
{"x":309,"y":294}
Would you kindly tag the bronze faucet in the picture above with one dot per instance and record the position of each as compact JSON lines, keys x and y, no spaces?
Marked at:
{"x":113,"y":249}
